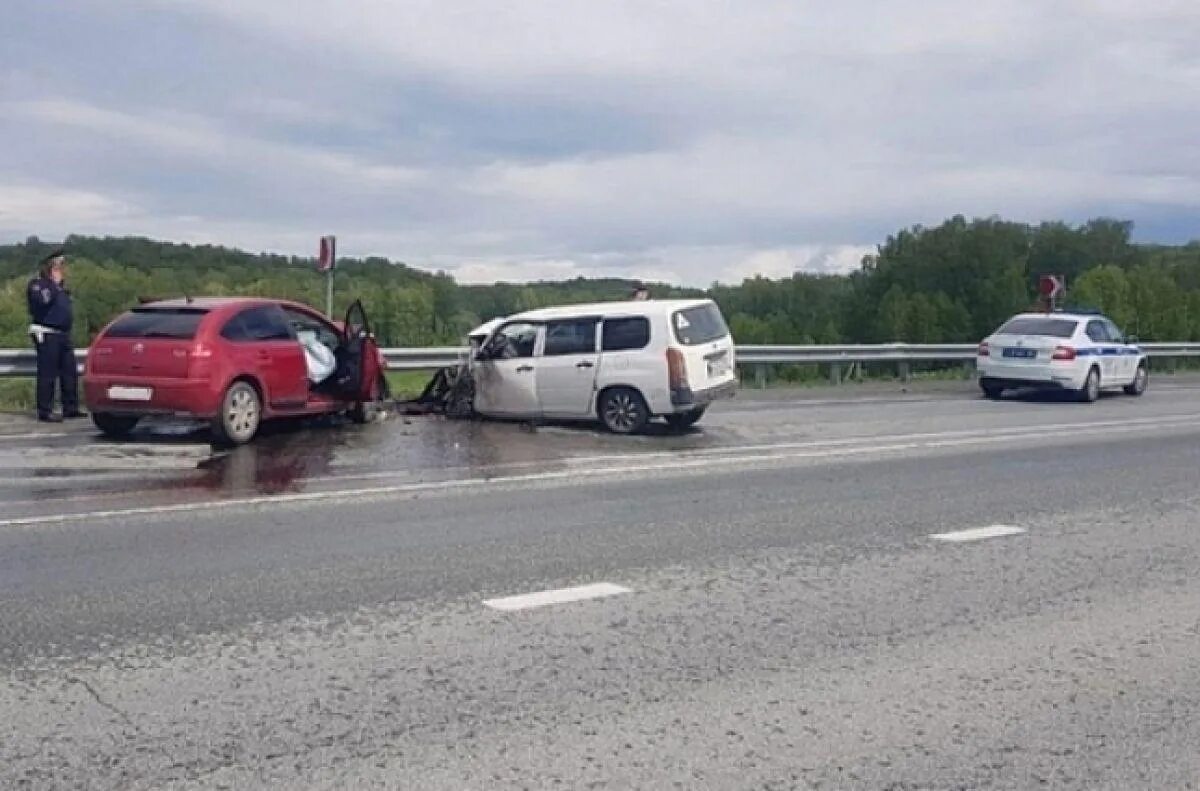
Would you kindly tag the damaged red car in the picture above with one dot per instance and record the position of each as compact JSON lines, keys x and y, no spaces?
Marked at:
{"x":232,"y":361}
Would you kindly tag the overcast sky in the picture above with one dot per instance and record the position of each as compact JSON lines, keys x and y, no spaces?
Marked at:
{"x":686,"y":141}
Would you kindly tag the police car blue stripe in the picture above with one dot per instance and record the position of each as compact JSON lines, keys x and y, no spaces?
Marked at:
{"x":1107,"y":351}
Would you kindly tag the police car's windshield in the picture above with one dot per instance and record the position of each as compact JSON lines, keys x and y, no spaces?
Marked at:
{"x":1054,"y":328}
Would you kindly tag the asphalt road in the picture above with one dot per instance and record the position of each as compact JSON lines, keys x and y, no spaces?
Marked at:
{"x":309,"y":612}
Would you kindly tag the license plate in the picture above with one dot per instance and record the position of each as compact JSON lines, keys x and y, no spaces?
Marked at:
{"x":718,"y":367}
{"x":1021,"y":354}
{"x":117,"y":393}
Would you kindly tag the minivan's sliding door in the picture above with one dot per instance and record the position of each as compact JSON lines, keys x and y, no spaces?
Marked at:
{"x":567,"y":368}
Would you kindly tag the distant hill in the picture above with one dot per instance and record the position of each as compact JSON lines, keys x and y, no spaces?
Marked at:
{"x":953,"y":282}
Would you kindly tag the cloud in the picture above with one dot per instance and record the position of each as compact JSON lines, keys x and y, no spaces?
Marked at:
{"x":31,"y":206}
{"x":690,"y":266}
{"x":203,"y":140}
{"x":694,"y":141}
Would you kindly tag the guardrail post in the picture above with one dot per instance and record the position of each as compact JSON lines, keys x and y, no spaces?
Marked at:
{"x":760,"y":377}
{"x":835,"y":373}
{"x":968,"y":369}
{"x":905,"y":371}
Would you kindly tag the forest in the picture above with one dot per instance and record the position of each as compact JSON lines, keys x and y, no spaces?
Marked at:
{"x":951,"y":283}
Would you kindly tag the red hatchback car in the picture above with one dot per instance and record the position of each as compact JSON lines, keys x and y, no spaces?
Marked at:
{"x":233,"y":361}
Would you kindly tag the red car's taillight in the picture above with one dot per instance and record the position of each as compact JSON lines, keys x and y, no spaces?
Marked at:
{"x":1064,"y":353}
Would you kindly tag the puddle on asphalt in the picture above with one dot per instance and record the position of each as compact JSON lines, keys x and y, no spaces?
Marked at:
{"x":172,"y":458}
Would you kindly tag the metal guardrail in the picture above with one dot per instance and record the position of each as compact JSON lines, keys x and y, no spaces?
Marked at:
{"x":21,"y":362}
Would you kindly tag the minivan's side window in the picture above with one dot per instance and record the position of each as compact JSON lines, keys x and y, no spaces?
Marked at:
{"x":574,"y":336}
{"x":625,"y":334}
{"x":1097,"y":331}
{"x":262,"y":323}
{"x":514,"y":341}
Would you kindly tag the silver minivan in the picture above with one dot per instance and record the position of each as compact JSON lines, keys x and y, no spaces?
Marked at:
{"x":622,"y":363}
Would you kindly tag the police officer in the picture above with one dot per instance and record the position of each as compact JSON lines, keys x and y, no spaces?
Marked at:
{"x":50,"y":328}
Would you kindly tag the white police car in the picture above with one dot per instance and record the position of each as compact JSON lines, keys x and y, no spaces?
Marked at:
{"x":1078,"y":352}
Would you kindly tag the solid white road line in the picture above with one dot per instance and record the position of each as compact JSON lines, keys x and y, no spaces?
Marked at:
{"x":528,"y":601}
{"x":978,"y":533}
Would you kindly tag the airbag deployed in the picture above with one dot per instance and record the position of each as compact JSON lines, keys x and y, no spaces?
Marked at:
{"x":318,"y":358}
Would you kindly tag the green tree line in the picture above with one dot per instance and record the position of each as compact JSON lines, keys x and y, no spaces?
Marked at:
{"x":952,"y":283}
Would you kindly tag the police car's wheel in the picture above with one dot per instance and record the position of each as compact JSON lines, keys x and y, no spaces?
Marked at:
{"x":114,"y":425}
{"x":1091,"y":387}
{"x":623,"y":411}
{"x":241,"y":412}
{"x":1140,"y":380}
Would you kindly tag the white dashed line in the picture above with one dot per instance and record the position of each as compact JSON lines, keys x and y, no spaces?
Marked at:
{"x":978,"y":533}
{"x":559,"y":596}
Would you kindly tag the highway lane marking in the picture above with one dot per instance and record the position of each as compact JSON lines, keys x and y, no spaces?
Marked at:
{"x":39,"y":435}
{"x":679,"y":462}
{"x":978,"y":533}
{"x":527,"y":601}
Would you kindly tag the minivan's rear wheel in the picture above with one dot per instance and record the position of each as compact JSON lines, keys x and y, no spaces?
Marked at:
{"x":114,"y":425}
{"x":241,"y":412}
{"x":991,"y":389}
{"x":1140,"y":380}
{"x":1091,"y":387}
{"x":682,"y":420}
{"x":623,"y":411}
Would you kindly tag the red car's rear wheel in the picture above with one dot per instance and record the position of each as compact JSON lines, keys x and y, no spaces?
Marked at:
{"x":240,"y":415}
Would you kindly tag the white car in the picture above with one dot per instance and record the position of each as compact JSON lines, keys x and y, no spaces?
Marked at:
{"x":622,"y":363}
{"x":1078,"y":352}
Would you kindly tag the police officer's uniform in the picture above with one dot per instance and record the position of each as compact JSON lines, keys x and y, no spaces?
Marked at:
{"x":51,"y":315}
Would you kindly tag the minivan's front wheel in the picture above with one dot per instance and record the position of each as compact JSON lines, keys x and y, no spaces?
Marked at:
{"x":682,"y":420}
{"x":114,"y":425}
{"x":241,"y":412}
{"x":623,"y":411}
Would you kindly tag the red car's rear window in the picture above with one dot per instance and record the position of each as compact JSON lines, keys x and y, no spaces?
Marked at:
{"x":175,"y":323}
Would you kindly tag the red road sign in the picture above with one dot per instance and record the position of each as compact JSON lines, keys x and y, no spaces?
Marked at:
{"x":1052,"y":285}
{"x":328,"y":254}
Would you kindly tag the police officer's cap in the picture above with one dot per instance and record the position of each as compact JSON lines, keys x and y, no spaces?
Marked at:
{"x":57,"y":252}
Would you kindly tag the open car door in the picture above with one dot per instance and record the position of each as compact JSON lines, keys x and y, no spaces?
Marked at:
{"x":359,"y":374}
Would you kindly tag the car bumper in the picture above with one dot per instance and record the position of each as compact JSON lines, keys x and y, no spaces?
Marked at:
{"x":685,"y":399}
{"x":189,"y":398}
{"x":1033,"y":384}
{"x":1048,"y":376}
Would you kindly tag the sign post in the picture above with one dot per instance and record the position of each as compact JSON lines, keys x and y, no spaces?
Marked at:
{"x":1051,"y":287}
{"x":326,"y":259}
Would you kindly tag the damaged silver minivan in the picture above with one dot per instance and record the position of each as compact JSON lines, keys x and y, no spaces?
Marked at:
{"x":622,"y":363}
